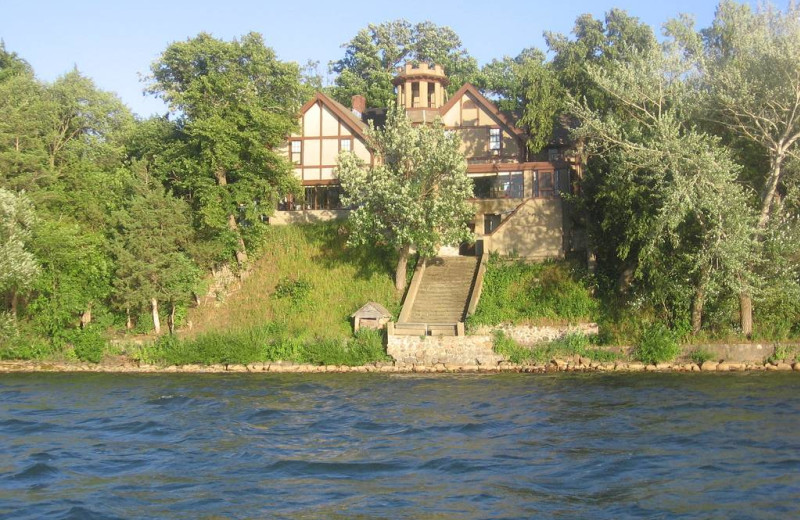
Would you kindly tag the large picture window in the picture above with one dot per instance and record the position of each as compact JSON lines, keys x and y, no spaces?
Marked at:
{"x":502,"y":186}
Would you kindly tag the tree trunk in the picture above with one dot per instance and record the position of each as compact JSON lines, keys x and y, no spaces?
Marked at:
{"x":171,"y":318}
{"x":14,"y":302}
{"x":156,"y":321}
{"x":697,"y":309}
{"x":400,"y":273}
{"x":746,"y":313}
{"x":86,"y":317}
{"x":241,"y":251}
{"x":128,"y":321}
{"x":626,"y":279}
{"x":767,"y":197}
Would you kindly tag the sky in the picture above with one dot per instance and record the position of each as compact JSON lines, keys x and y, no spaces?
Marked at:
{"x":113,"y":42}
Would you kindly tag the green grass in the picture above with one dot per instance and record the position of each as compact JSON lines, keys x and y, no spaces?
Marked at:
{"x":265,"y":343}
{"x":566,"y":347}
{"x":308,"y":282}
{"x":534,"y":293}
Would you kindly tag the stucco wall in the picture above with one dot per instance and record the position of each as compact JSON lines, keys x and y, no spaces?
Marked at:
{"x":534,"y":231}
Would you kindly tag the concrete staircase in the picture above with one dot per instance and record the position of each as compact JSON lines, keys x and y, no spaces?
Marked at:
{"x":441,"y":298}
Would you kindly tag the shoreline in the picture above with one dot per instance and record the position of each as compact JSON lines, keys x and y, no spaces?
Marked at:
{"x":554,"y":366}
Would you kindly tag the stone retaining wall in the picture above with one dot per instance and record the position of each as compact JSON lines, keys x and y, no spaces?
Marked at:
{"x":529,"y":334}
{"x":450,"y":350}
{"x":503,"y":366}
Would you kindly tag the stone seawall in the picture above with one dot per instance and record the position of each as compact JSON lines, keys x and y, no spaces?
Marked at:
{"x":554,"y":366}
{"x":530,"y":334}
{"x":445,"y":350}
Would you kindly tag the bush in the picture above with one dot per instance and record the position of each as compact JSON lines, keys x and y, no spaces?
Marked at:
{"x":88,"y":344}
{"x":700,"y":356}
{"x":520,"y":292}
{"x":657,"y":344}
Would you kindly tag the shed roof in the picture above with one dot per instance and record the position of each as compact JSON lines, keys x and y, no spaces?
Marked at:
{"x":372,"y":310}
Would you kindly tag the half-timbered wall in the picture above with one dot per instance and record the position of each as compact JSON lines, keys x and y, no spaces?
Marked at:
{"x":475,"y":124}
{"x":322,"y":137}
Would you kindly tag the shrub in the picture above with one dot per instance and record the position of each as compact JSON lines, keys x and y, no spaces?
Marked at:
{"x":657,"y":344}
{"x":88,"y":344}
{"x":510,"y":349}
{"x":700,"y":356}
{"x":295,"y":290}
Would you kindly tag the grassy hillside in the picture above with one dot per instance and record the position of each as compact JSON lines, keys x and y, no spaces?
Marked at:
{"x":307,"y":280}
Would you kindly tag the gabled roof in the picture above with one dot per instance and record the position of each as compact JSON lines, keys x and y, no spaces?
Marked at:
{"x":353,"y":121}
{"x":487,"y":105}
{"x":372,"y":310}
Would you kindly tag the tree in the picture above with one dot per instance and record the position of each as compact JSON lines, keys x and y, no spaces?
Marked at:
{"x":669,"y":197}
{"x":747,"y":63}
{"x":153,"y":264}
{"x":597,"y":43}
{"x":528,"y":87}
{"x":373,"y":56}
{"x":235,"y":103}
{"x":416,"y":196}
{"x":18,"y":266}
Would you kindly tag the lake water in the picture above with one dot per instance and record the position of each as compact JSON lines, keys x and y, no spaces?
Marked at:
{"x":400,"y":446}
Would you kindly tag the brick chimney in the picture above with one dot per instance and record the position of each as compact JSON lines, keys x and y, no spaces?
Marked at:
{"x":359,"y":104}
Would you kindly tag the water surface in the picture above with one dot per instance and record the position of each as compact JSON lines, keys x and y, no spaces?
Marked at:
{"x":400,"y":446}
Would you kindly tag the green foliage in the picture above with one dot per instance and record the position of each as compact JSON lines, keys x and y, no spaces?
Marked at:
{"x":417,"y":196}
{"x":528,"y":86}
{"x":18,"y":266}
{"x":372,"y":57}
{"x":785,"y":353}
{"x":521,"y":292}
{"x":235,"y":103}
{"x":270,"y":342}
{"x":88,"y":344}
{"x":700,"y":356}
{"x":573,"y":344}
{"x":657,"y":344}
{"x":295,"y":290}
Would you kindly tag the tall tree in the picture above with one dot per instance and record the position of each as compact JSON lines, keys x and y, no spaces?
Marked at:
{"x":153,"y":265}
{"x":415,"y":197}
{"x":18,"y":266}
{"x":235,"y":102}
{"x":748,"y":65}
{"x":373,"y":56}
{"x":669,"y":198}
{"x":528,"y":87}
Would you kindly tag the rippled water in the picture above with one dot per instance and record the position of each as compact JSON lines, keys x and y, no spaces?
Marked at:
{"x":400,"y":446}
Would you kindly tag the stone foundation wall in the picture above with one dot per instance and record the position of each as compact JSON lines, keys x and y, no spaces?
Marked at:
{"x":442,"y":350}
{"x":529,"y":334}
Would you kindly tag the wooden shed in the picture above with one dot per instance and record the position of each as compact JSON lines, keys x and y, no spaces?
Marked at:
{"x":372,"y":315}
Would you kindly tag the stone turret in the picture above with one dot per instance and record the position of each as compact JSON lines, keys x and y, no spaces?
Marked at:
{"x":421,"y":90}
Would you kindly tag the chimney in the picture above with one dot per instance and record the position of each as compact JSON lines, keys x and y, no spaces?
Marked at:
{"x":359,"y":105}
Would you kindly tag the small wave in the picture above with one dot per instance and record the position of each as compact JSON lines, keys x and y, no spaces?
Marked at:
{"x":170,"y":400}
{"x":17,"y":427}
{"x":450,"y":465}
{"x":84,"y":513}
{"x":38,"y":471}
{"x":301,"y":468}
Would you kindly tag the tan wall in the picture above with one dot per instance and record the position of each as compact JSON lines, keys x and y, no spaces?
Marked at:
{"x":534,"y":231}
{"x":321,"y":151}
{"x":472,"y":122}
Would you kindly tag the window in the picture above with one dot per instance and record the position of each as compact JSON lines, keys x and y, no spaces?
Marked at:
{"x":490,"y":222}
{"x":345,"y":145}
{"x":322,"y":197}
{"x":494,"y":139}
{"x":504,"y":186}
{"x":297,"y":152}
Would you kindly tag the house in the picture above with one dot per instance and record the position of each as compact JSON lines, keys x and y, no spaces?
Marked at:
{"x":518,"y":204}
